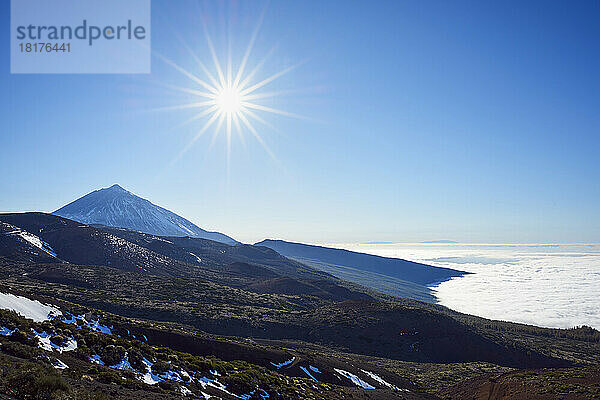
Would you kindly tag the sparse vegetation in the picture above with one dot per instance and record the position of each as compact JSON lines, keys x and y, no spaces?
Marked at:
{"x":239,"y":313}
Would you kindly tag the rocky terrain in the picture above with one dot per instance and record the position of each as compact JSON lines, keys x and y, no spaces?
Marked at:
{"x":143,"y":316}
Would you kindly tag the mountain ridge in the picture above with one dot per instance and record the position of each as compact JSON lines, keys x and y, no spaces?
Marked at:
{"x":117,"y":207}
{"x":325,"y":258}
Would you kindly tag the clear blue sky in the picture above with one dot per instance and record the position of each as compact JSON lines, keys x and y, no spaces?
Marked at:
{"x":472,"y":121}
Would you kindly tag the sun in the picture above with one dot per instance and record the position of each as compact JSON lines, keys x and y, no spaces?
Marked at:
{"x":229,"y":100}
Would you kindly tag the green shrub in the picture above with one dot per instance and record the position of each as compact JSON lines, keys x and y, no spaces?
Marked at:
{"x":136,"y":359}
{"x":18,"y":350}
{"x":22,"y":337}
{"x":160,"y":367}
{"x":109,"y":377}
{"x":167,"y":385}
{"x":58,"y":340}
{"x":32,"y":381}
{"x":113,"y":354}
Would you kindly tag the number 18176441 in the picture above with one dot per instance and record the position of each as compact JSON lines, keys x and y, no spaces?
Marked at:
{"x":42,"y":47}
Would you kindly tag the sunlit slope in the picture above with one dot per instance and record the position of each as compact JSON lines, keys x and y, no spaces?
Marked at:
{"x":117,"y":207}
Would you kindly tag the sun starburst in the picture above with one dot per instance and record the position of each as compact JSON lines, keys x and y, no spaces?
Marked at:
{"x":228,"y":101}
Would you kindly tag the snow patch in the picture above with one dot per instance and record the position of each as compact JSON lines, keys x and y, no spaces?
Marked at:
{"x":59,"y":364}
{"x":380,"y":380}
{"x":197,"y":258}
{"x":355,"y":379}
{"x":45,"y":343}
{"x":4,"y":331}
{"x":124,"y":365}
{"x":93,"y":325}
{"x":308,"y":373}
{"x":185,"y":391}
{"x":96,"y":359}
{"x":33,"y":240}
{"x":31,"y":309}
{"x":148,"y":377}
{"x":69,"y":346}
{"x":205,"y":382}
{"x":283,"y":364}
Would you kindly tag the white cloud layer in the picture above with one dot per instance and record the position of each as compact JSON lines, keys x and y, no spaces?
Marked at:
{"x":546,"y":285}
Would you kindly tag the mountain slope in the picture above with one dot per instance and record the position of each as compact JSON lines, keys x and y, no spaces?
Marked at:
{"x":76,"y":243}
{"x":330,"y":259}
{"x":197,"y":251}
{"x":20,"y":245}
{"x":116,"y":207}
{"x":47,"y":238}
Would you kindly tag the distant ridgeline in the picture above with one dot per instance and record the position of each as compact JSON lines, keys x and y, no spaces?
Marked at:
{"x":388,"y":275}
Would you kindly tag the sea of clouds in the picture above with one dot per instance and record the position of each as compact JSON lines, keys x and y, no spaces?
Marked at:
{"x":546,"y":285}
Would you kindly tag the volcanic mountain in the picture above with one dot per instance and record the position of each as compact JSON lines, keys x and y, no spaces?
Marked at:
{"x":117,"y":207}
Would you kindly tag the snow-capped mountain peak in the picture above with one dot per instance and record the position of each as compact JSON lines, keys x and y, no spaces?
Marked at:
{"x":114,"y":206}
{"x":116,"y":187}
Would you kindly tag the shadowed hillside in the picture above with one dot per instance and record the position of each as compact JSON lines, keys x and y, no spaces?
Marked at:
{"x":392,"y":276}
